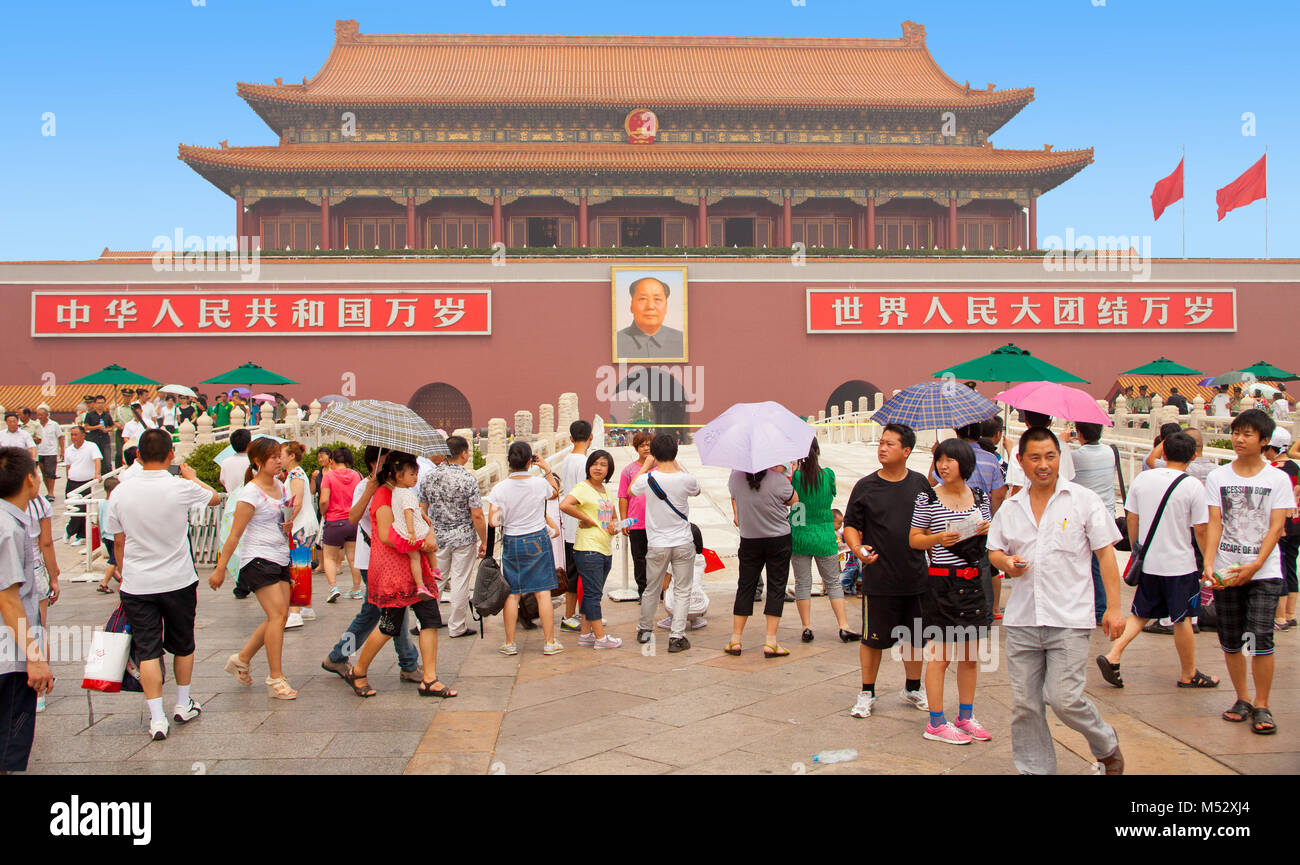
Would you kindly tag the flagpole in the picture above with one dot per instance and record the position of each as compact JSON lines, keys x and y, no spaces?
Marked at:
{"x":1183,"y":162}
{"x":1266,"y":201}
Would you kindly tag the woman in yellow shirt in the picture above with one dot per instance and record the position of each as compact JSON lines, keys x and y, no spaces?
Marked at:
{"x":591,"y":504}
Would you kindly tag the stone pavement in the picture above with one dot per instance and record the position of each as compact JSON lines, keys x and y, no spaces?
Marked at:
{"x":624,"y":710}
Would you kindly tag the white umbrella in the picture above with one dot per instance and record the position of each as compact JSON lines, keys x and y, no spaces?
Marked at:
{"x":179,"y":390}
{"x":753,"y":436}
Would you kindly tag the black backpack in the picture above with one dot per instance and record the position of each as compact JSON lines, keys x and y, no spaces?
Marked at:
{"x":490,"y":587}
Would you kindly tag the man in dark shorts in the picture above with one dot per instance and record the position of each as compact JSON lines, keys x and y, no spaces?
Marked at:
{"x":877,"y":521}
{"x":149,"y":521}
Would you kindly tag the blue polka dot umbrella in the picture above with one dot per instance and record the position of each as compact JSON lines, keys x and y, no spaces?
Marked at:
{"x":935,"y":405}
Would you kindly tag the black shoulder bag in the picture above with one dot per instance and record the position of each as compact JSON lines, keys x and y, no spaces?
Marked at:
{"x":1121,"y":523}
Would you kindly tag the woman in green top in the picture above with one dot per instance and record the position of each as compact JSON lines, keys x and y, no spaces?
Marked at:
{"x":812,"y":530}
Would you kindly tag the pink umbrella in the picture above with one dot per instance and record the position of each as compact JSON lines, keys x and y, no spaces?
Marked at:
{"x":264,"y":397}
{"x":1055,"y":400}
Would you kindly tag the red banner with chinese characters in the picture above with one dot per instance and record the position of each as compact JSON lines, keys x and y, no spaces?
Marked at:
{"x":840,"y":310}
{"x":315,"y":312}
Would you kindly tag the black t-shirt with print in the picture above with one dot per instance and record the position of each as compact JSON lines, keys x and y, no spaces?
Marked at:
{"x":882,"y":511}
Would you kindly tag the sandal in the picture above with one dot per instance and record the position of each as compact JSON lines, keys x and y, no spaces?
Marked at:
{"x":771,"y":651}
{"x":1200,"y":680}
{"x":427,"y":689}
{"x":360,"y":690}
{"x":1259,"y":717}
{"x":1240,"y":708}
{"x":103,"y":590}
{"x":279,"y":689}
{"x":1110,"y":672}
{"x":733,"y":648}
{"x":238,"y":669}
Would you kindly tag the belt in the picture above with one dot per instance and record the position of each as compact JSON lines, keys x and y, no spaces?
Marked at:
{"x":963,"y":573}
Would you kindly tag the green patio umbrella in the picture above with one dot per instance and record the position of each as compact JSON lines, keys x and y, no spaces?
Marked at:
{"x":1263,"y":371}
{"x":249,"y":374}
{"x":113,"y":374}
{"x":1162,"y":367}
{"x":1009,"y":364}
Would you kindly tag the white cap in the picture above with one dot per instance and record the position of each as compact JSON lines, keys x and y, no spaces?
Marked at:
{"x":1281,"y":440}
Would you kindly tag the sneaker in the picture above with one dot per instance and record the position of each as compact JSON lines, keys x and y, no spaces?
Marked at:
{"x":76,"y":542}
{"x":295,"y":621}
{"x":915,"y":699}
{"x":357,"y":594}
{"x":678,"y":644}
{"x":758,"y":596}
{"x":40,"y":704}
{"x":571,"y":624}
{"x":696,"y":624}
{"x":158,"y":730}
{"x":608,"y":642}
{"x":588,"y":639}
{"x":862,"y":708}
{"x":334,"y":595}
{"x":974,"y":729}
{"x":552,"y":648}
{"x":49,"y":498}
{"x":509,"y":649}
{"x":946,"y":733}
{"x":665,"y":623}
{"x":307,"y":614}
{"x":185,"y":714}
{"x":642,"y":636}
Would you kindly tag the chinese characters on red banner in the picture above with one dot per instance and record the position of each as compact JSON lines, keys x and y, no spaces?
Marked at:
{"x":238,"y":313}
{"x":834,"y":310}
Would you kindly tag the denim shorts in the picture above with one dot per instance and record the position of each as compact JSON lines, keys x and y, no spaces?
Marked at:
{"x":527,"y":563}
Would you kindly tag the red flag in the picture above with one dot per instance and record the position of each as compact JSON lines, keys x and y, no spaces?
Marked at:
{"x":1167,"y":191}
{"x":1251,"y":186}
{"x":711,"y":561}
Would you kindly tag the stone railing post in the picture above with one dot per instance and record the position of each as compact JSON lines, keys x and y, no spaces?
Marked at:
{"x":568,"y":413}
{"x":546,"y":421}
{"x":265,"y":425}
{"x":877,"y":401}
{"x":1196,"y":417}
{"x":291,"y":418}
{"x":496,"y":444}
{"x":821,"y":425}
{"x":836,"y":428}
{"x":237,"y":418}
{"x":1157,"y":404}
{"x":1121,"y":412}
{"x":524,"y":426}
{"x":185,"y":446}
{"x":204,"y":436}
{"x":313,"y":411}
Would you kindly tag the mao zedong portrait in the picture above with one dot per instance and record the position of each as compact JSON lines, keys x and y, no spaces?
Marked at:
{"x":648,"y":337}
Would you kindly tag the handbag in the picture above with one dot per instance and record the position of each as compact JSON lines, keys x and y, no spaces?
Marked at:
{"x":1133,"y":572}
{"x":1121,"y":523}
{"x":490,"y":586}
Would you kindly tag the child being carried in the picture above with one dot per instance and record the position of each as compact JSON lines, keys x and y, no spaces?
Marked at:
{"x":411,"y":523}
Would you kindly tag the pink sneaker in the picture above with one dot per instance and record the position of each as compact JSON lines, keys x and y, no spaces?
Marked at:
{"x":607,"y":642}
{"x":974,"y":729}
{"x":947,"y":733}
{"x":588,"y":639}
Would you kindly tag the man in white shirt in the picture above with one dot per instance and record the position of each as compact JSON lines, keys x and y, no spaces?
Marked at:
{"x":1219,"y":405}
{"x":234,"y":468}
{"x":668,"y":536}
{"x":1044,"y":537}
{"x":1248,"y":501}
{"x":84,"y":462}
{"x":573,"y":471}
{"x":1281,"y":408}
{"x":149,"y":522}
{"x":13,"y":437}
{"x":1169,"y":586}
{"x":49,"y":450}
{"x":1201,"y":466}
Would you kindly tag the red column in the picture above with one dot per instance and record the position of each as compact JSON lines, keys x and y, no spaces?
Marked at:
{"x":324,"y":222}
{"x":952,"y":223}
{"x":1033,"y":223}
{"x":860,"y":230}
{"x":702,"y":224}
{"x":239,"y":219}
{"x":498,"y":228}
{"x":582,"y":221}
{"x":787,"y":223}
{"x":871,"y":222}
{"x":410,"y":222}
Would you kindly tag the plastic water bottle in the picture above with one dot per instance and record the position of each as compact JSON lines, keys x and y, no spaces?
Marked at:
{"x":841,"y":755}
{"x":629,"y":523}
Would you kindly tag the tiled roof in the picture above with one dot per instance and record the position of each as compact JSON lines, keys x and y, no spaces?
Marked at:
{"x":654,"y":71}
{"x":15,"y":397}
{"x":362,"y":158}
{"x":1188,"y":385}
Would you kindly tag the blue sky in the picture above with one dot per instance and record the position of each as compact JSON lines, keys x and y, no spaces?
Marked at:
{"x":1135,"y":79}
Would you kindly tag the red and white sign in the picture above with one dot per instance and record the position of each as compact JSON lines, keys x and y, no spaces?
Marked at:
{"x":419,"y":312}
{"x":1062,"y":310}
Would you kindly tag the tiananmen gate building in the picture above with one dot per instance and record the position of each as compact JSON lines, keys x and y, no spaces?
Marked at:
{"x":475,"y":224}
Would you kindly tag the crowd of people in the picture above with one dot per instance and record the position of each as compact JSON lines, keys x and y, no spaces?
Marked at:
{"x":928,"y":554}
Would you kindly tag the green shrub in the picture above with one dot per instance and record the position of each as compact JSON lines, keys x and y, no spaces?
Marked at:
{"x":479,"y":459}
{"x":201,"y":460}
{"x":1226,"y":444}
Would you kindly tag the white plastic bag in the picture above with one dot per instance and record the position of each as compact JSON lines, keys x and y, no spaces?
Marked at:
{"x":106,"y":661}
{"x":699,"y":601}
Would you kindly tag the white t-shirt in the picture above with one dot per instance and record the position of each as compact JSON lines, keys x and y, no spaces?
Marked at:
{"x":81,"y":461}
{"x":573,"y":471}
{"x":20,"y":439}
{"x":663,"y":528}
{"x":169,"y":415}
{"x":149,"y":413}
{"x":360,"y":555}
{"x":232,"y":472}
{"x":1219,"y":405}
{"x":132,"y":471}
{"x":263,"y":538}
{"x":1171,"y":553}
{"x":154,"y":512}
{"x":132,"y":430}
{"x":1281,"y":409}
{"x":1246,"y":507}
{"x":49,"y":446}
{"x":522,"y":502}
{"x":404,"y":500}
{"x":1016,"y":475}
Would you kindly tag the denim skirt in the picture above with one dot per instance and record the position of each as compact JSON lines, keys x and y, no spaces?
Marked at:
{"x":527,"y":563}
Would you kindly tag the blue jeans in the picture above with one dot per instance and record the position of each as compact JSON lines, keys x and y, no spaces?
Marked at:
{"x":593,"y":568}
{"x":849,"y":578}
{"x":1098,"y":590}
{"x":364,"y":622}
